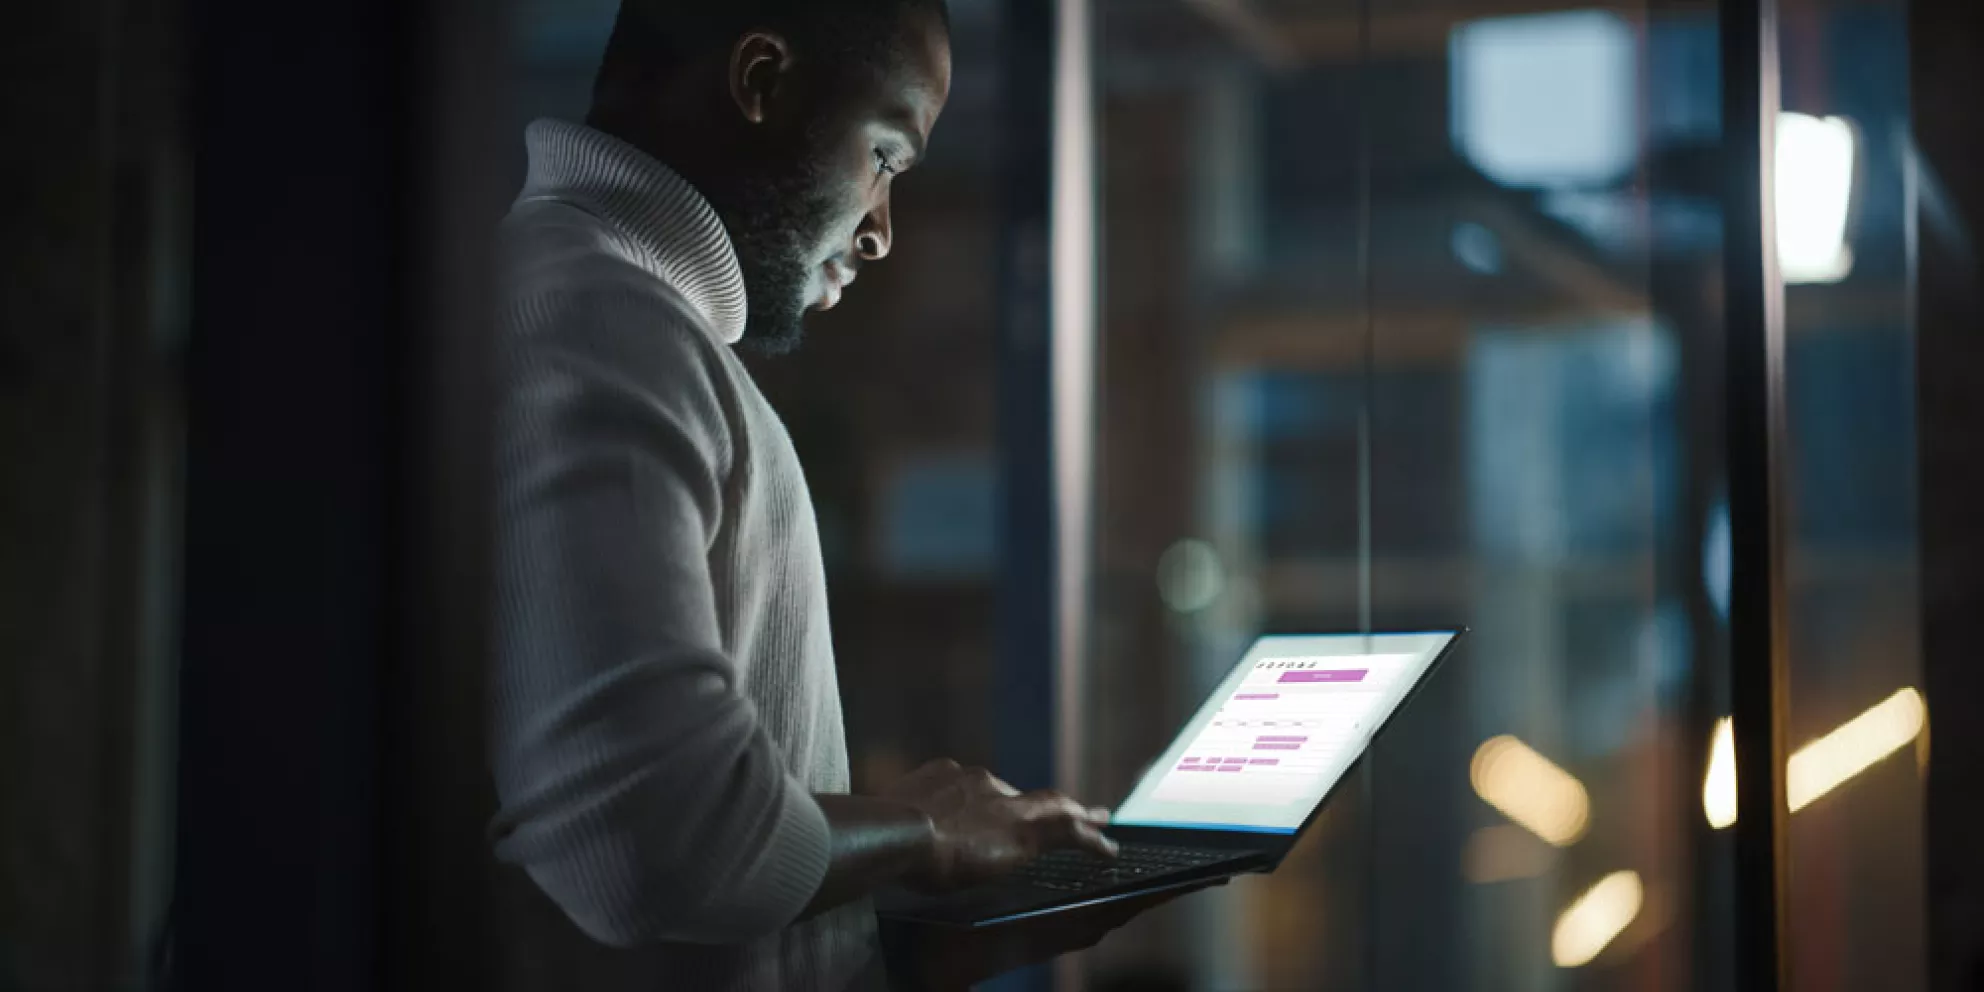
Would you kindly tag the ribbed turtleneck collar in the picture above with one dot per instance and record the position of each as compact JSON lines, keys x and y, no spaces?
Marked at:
{"x":681,"y":237}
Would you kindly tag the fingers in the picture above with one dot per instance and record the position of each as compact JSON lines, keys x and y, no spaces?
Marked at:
{"x":1089,"y":838}
{"x":946,"y":770}
{"x":938,"y":768}
{"x":985,"y":780}
{"x":1064,"y":822}
{"x":928,"y":775}
{"x":1061,"y":803}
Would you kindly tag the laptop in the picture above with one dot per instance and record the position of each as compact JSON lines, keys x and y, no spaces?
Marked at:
{"x":1235,"y":788}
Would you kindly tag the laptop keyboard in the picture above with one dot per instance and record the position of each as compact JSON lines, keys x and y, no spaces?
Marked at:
{"x":1075,"y":871}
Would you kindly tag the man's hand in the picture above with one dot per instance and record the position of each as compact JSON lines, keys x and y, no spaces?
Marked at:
{"x":946,"y":827}
{"x":984,"y":828}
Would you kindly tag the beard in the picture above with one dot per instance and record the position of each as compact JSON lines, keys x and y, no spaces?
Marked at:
{"x":777,"y":209}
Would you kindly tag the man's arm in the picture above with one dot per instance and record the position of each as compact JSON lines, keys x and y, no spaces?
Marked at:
{"x":637,"y":787}
{"x":875,"y":842}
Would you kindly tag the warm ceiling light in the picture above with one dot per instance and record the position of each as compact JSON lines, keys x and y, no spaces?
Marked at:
{"x":1819,"y":767}
{"x":1597,"y":917}
{"x":1719,"y":785}
{"x":1530,"y":789}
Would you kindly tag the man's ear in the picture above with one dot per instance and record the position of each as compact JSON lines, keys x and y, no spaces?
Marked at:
{"x":759,"y":65}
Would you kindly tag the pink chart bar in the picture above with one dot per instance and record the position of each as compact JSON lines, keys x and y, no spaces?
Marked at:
{"x":1326,"y":675}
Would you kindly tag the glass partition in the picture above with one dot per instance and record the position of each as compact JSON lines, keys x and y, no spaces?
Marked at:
{"x":1410,"y":320}
{"x":1858,"y":719}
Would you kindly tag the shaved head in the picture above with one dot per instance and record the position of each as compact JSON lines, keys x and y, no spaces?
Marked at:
{"x":844,"y":33}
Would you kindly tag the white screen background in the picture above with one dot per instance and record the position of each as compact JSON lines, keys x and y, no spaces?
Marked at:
{"x":1280,"y":731}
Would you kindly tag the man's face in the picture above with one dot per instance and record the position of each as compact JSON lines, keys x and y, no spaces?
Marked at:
{"x":810,"y":204}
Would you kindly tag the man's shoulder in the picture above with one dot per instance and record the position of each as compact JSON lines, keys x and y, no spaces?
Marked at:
{"x":562,"y":260}
{"x":572,"y":289}
{"x":550,"y":245}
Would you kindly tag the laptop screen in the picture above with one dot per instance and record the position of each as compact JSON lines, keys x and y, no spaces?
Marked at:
{"x":1282,"y":728}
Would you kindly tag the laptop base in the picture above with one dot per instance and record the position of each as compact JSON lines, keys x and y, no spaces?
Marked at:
{"x":1012,"y":900}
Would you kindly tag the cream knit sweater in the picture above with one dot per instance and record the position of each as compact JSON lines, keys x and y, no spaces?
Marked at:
{"x":665,"y":697}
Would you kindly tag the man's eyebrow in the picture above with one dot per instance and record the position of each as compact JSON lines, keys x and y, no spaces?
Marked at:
{"x":900,"y":122}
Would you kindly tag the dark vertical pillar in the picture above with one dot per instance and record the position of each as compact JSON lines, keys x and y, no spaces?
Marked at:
{"x":93,"y":268}
{"x":435,"y":792}
{"x":293,"y":436}
{"x":1946,"y":75}
{"x":1754,"y":339}
{"x":1023,"y":731}
{"x":333,"y":787}
{"x":1027,"y":582}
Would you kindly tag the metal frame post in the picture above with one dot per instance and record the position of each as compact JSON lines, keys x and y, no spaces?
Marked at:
{"x":1754,"y":298}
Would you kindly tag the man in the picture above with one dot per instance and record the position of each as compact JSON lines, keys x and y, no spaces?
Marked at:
{"x":667,"y":744}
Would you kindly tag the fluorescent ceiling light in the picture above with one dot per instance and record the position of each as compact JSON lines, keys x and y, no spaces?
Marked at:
{"x":1814,"y":188}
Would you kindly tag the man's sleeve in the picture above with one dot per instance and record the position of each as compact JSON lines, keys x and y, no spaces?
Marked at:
{"x":636,"y":785}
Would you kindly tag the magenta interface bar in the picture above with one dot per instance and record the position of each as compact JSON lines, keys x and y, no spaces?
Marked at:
{"x":1324,"y":675}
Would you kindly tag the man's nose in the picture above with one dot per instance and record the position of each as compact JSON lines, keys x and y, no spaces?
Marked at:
{"x":876,"y":236}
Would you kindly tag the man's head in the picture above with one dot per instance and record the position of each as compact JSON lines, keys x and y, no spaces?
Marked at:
{"x":793,"y":118}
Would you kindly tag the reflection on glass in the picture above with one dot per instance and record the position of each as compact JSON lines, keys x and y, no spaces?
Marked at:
{"x":1505,"y":853}
{"x":1821,"y":766}
{"x":1531,"y":790}
{"x":1545,"y":99}
{"x":1190,"y":576}
{"x":1598,"y":916}
{"x":1856,"y":874}
{"x":1719,"y":785}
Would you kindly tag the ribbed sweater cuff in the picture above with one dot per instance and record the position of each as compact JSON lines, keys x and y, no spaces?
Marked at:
{"x":796,"y":856}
